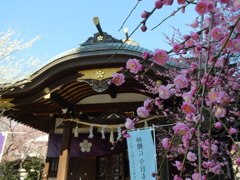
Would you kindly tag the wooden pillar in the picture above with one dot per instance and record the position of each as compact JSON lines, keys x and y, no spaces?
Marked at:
{"x":164,"y":173}
{"x":47,"y":162}
{"x":46,"y":170}
{"x":65,"y":150}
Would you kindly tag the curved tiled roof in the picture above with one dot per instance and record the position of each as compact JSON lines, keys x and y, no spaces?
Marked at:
{"x":60,"y":75}
{"x":99,"y":47}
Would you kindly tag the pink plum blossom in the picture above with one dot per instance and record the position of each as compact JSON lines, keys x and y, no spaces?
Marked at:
{"x":232,"y":130}
{"x":188,"y":108}
{"x":125,"y":134}
{"x":176,"y":48}
{"x":194,"y":65}
{"x":216,"y":169}
{"x":236,"y":4}
{"x":235,"y":46}
{"x":208,"y":164}
{"x":142,"y":112}
{"x":181,"y":81}
{"x":201,"y":7}
{"x":147,"y":104}
{"x":129,"y":124}
{"x":212,"y":96}
{"x":217,"y":33}
{"x":211,"y":7}
{"x":219,"y":111}
{"x":217,"y":81}
{"x":189,"y":43}
{"x":168,"y":2}
{"x":197,"y":118}
{"x":145,"y":55}
{"x":198,"y":48}
{"x":133,"y":65}
{"x":194,"y":36}
{"x":206,"y":79}
{"x":166,"y":143}
{"x":118,"y":79}
{"x":218,"y":125}
{"x":181,"y":128}
{"x":176,"y":177}
{"x":154,"y":174}
{"x":211,"y":61}
{"x":164,"y":92}
{"x":231,"y":71}
{"x":195,"y":23}
{"x":160,"y":56}
{"x":196,"y":176}
{"x":223,"y":98}
{"x":187,"y":97}
{"x":220,"y":62}
{"x":179,"y":165}
{"x":191,"y":156}
{"x":185,"y":141}
{"x":171,"y":88}
{"x":237,"y":161}
{"x":235,"y":147}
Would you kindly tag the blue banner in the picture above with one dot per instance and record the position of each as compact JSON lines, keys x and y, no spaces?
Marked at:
{"x":142,"y":154}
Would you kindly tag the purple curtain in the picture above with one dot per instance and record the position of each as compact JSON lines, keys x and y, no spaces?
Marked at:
{"x":1,"y":141}
{"x":99,"y":147}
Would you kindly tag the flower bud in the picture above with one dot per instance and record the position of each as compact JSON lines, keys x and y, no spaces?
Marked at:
{"x":183,"y":10}
{"x":184,"y":52}
{"x":152,"y":65}
{"x":143,"y":28}
{"x":145,"y":14}
{"x":145,"y":55}
{"x":158,"y":4}
{"x":218,"y":125}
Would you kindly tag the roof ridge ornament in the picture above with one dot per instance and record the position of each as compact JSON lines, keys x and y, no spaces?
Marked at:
{"x":100,"y":37}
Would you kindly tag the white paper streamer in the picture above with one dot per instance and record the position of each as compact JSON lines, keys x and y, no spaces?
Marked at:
{"x":119,"y":130}
{"x":111,"y":137}
{"x":146,"y":124}
{"x":102,"y":131}
{"x":76,"y":131}
{"x":91,"y":132}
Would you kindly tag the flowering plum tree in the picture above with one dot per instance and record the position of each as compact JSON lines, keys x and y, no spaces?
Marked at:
{"x":12,"y":68}
{"x":22,"y":141}
{"x":25,"y":148}
{"x":206,"y":77}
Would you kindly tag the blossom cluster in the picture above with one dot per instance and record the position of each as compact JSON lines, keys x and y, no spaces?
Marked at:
{"x":203,"y":86}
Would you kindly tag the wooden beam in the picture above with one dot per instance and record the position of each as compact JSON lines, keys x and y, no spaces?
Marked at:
{"x":58,"y":101}
{"x":128,"y":106}
{"x":112,"y":91}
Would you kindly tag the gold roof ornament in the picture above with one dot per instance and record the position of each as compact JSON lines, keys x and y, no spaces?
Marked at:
{"x":97,"y":74}
{"x":6,"y":103}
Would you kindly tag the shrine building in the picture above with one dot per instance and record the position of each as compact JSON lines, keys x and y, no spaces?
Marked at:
{"x":70,"y":99}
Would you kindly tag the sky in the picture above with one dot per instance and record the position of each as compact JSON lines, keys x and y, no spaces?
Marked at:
{"x":64,"y":24}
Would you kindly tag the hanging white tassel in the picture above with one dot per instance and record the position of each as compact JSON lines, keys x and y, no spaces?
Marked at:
{"x":119,"y":130}
{"x":111,"y":137}
{"x":91,"y":132}
{"x":102,"y":131}
{"x":145,"y":124}
{"x":76,"y":131}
